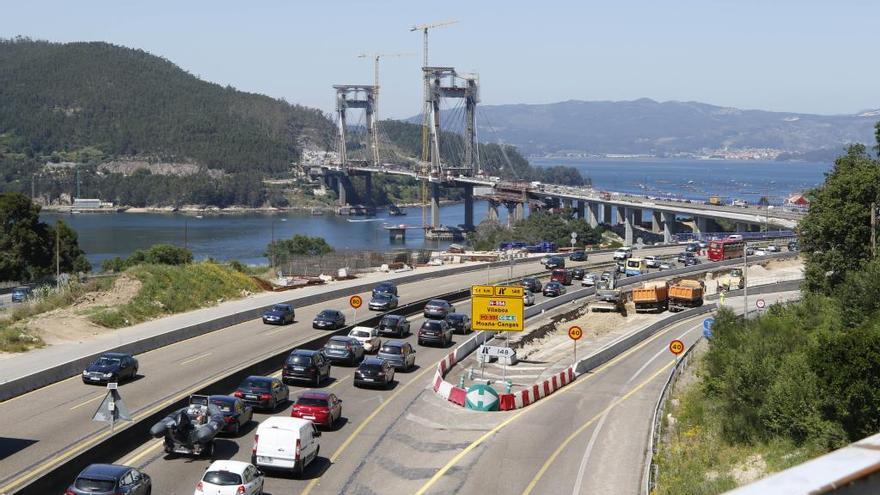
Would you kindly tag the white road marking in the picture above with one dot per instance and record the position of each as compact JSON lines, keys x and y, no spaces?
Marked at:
{"x":662,"y":351}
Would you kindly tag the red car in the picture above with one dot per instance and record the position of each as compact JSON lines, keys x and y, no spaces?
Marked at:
{"x":322,"y":408}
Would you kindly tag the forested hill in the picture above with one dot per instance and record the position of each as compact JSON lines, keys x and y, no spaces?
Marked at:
{"x":127,"y":102}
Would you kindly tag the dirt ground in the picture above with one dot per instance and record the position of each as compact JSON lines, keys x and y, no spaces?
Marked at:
{"x":71,"y":324}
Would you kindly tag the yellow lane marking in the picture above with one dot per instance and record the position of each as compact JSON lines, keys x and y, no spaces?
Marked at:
{"x":277,"y":330}
{"x":150,"y":448}
{"x":555,"y":454}
{"x":367,"y":421}
{"x":583,"y":379}
{"x":93,"y":399}
{"x":195,"y":358}
{"x":337,"y":382}
{"x":100,"y":436}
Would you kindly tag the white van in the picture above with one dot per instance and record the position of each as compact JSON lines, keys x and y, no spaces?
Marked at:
{"x":285,"y":444}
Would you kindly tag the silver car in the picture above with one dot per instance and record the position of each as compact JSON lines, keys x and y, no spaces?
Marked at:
{"x":399,"y":354}
{"x":528,"y":297}
{"x":438,"y":309}
{"x":589,"y":280}
{"x":652,"y":261}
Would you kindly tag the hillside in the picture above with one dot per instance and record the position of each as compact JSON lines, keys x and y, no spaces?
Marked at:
{"x":126,"y":102}
{"x":646,"y":126}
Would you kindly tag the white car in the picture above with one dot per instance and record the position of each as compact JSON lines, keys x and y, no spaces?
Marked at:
{"x":230,"y":478}
{"x":622,"y":253}
{"x":368,"y":337}
{"x":652,"y":261}
{"x":589,"y":280}
{"x":528,"y":298}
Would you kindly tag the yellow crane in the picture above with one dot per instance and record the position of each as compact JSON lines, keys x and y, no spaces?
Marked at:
{"x":424,"y":28}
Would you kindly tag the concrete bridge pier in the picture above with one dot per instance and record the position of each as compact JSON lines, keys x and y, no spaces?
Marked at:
{"x":341,"y":193}
{"x":700,"y":225}
{"x":606,"y":214}
{"x":668,"y":227}
{"x":628,"y":220}
{"x":621,"y":213}
{"x":656,"y":222}
{"x":519,"y":212}
{"x":593,"y":214}
{"x":469,"y":206}
{"x":581,"y":206}
{"x":637,"y":216}
{"x":435,"y":205}
{"x":742,"y":227}
{"x":492,"y":211}
{"x":368,"y":188}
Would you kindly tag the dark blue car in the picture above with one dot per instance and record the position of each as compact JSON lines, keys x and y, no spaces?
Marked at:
{"x":20,"y":294}
{"x":111,"y":479}
{"x":235,"y":412}
{"x":280,"y":314}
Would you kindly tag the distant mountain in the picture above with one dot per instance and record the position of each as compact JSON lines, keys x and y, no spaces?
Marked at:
{"x":60,"y":97}
{"x":646,"y":126}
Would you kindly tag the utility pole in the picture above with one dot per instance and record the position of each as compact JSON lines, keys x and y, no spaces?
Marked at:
{"x":57,"y":254}
{"x":745,"y":281}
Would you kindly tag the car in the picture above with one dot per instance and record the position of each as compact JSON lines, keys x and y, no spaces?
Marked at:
{"x":664,"y":266}
{"x":555,"y":262}
{"x":374,"y":372}
{"x":553,"y":289}
{"x":396,"y":325}
{"x":692,"y":261}
{"x":110,"y":479}
{"x":321,"y":408}
{"x":20,"y":294}
{"x":561,"y":275}
{"x":735,"y":237}
{"x":533,"y":284}
{"x":773,"y":248}
{"x":285,"y":444}
{"x":683,"y":257}
{"x":385,"y":288}
{"x":692,"y":247}
{"x":750,"y":251}
{"x":606,"y":276}
{"x":111,"y":367}
{"x":589,"y":280}
{"x":460,"y":322}
{"x":306,"y":365}
{"x":230,"y":478}
{"x":343,"y":349}
{"x":264,"y":392}
{"x":368,"y":337}
{"x":236,"y":413}
{"x":622,"y":253}
{"x":279,"y":314}
{"x":528,"y":297}
{"x":578,"y":273}
{"x":578,"y":256}
{"x":761,"y":252}
{"x":438,"y":308}
{"x":383,"y":301}
{"x":653,"y":261}
{"x":399,"y":353}
{"x":435,"y":332}
{"x":330,"y":319}
{"x":545,"y":259}
{"x":793,"y":246}
{"x":702,"y":244}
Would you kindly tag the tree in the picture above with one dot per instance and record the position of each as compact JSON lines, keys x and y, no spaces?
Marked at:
{"x":282,"y":250}
{"x":25,"y":250}
{"x":835,"y":234}
{"x":71,"y":258}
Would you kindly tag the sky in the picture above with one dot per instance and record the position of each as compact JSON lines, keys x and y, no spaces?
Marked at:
{"x":810,"y":56}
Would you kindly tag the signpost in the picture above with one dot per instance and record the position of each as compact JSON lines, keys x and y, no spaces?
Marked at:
{"x":574,"y":236}
{"x":495,"y":351}
{"x":707,"y":327}
{"x":575,"y":333}
{"x":355,"y":302}
{"x":112,"y":409}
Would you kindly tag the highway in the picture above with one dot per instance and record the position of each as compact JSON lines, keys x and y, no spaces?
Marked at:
{"x":59,"y":426}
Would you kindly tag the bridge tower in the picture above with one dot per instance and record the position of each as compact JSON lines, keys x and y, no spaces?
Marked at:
{"x":356,"y":96}
{"x":445,"y":82}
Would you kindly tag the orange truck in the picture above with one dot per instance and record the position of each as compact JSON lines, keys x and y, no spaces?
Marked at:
{"x":651,"y":296}
{"x":685,"y":294}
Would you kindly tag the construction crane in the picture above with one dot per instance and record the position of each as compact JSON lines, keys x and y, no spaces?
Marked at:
{"x":424,"y":28}
{"x":376,"y":57}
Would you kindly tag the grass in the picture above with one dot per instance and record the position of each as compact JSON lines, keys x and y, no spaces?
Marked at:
{"x":175,"y":289}
{"x":695,"y":459}
{"x":15,"y":337}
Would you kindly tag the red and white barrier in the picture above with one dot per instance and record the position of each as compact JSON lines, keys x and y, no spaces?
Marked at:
{"x":537,"y":391}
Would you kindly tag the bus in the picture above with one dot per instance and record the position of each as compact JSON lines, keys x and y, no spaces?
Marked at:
{"x":635,"y":266}
{"x":726,"y":249}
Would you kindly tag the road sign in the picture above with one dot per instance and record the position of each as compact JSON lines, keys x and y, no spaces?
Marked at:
{"x":112,"y":409}
{"x":495,"y":351}
{"x":676,"y":347}
{"x":575,"y":333}
{"x":497,"y":308}
{"x":708,"y":323}
{"x":760,"y":304}
{"x":355,"y":301}
{"x":481,"y":398}
{"x":574,"y":235}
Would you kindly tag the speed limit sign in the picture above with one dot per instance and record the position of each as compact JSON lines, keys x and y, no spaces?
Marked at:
{"x":760,"y":304}
{"x":676,"y":347}
{"x":575,"y":333}
{"x":355,"y":301}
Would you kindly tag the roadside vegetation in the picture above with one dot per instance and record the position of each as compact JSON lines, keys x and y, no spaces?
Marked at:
{"x":538,"y":226}
{"x":804,"y":378}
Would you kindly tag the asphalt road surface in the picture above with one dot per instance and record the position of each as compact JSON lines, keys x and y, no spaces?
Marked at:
{"x":58,"y":424}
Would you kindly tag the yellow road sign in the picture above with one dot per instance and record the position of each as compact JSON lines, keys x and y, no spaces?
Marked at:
{"x":497,"y":308}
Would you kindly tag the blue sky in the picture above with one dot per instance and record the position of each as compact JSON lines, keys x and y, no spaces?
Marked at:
{"x":805,"y":56}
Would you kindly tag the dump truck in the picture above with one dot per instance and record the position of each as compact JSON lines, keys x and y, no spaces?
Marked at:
{"x":731,"y":281}
{"x":608,"y":298}
{"x":685,"y":294}
{"x":651,"y":296}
